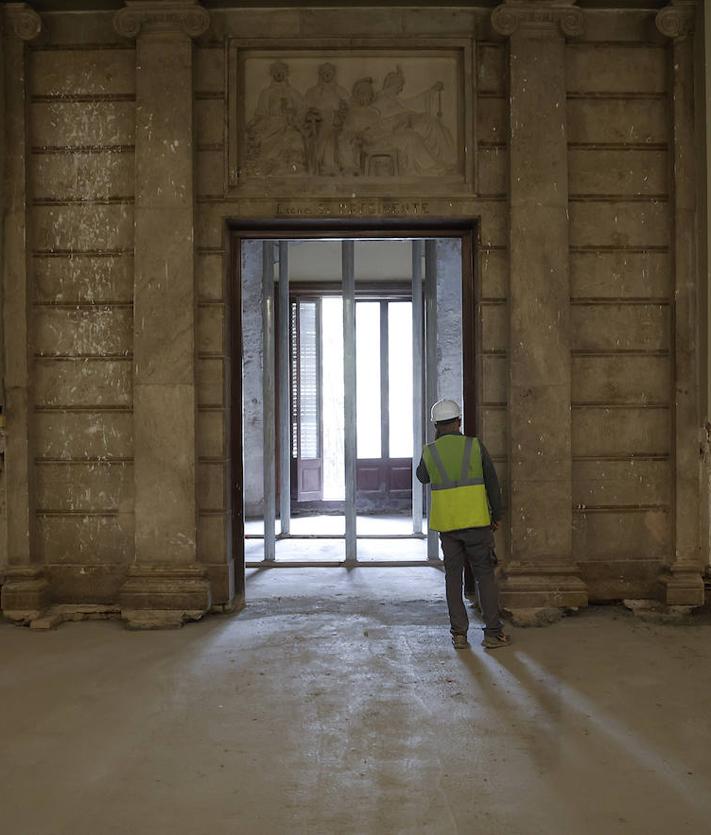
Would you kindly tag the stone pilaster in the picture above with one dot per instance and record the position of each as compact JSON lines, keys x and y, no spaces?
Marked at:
{"x":683,"y":585}
{"x":541,"y":573}
{"x":166,"y":584}
{"x":25,"y":593}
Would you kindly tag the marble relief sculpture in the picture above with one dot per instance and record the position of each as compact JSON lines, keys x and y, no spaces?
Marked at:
{"x":329,"y":132}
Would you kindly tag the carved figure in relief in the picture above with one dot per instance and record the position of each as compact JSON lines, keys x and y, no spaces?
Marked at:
{"x":383,"y":146}
{"x":275,"y":135}
{"x":328,"y":104}
{"x":422,"y":114}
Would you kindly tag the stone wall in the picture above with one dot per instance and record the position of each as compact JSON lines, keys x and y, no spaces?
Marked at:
{"x":585,"y":295}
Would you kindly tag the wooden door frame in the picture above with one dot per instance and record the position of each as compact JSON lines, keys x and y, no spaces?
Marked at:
{"x":466,"y":230}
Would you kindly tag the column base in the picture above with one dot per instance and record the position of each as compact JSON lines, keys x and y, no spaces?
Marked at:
{"x":25,"y":594}
{"x":682,"y":586}
{"x":164,"y":596}
{"x":536,"y":595}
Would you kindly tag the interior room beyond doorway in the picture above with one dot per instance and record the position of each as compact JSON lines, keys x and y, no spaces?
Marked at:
{"x":355,"y":337}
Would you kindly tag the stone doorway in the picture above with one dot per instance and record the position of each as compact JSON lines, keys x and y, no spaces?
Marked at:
{"x":339,"y":278}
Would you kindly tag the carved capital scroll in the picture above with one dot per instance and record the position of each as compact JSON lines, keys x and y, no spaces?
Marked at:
{"x":22,"y":21}
{"x":537,"y":16}
{"x":676,"y":21}
{"x":162,"y":17}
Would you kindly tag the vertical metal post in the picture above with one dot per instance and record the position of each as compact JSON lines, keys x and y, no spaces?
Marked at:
{"x":431,"y":359}
{"x":349,"y":389}
{"x":284,"y":392}
{"x":268,"y":399}
{"x":417,"y":375}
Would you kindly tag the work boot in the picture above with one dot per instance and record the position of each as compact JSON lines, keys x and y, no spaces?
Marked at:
{"x":500,"y":639}
{"x":460,"y":641}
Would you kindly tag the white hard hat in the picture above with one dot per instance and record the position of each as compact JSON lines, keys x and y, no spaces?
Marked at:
{"x":445,"y":410}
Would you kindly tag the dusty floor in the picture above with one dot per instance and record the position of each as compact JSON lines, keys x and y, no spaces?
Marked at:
{"x":335,"y":704}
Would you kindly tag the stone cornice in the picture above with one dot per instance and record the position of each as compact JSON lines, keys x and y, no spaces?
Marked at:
{"x":22,"y":21}
{"x":677,"y":19}
{"x":537,"y":16}
{"x":161,"y":17}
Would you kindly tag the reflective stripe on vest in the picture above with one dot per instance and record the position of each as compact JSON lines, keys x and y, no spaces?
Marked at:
{"x":458,"y":492}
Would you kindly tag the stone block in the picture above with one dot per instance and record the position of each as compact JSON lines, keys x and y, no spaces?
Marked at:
{"x":621,"y":275}
{"x":608,"y":580}
{"x":211,"y":381}
{"x":210,"y":173}
{"x":69,"y":278}
{"x":492,"y":71}
{"x":609,"y":327}
{"x":632,"y":27}
{"x":348,"y":21}
{"x":165,"y":467}
{"x":92,"y":486}
{"x":492,"y":120}
{"x":493,"y":171}
{"x":80,"y":176}
{"x":210,"y":118}
{"x":68,"y":124}
{"x":96,"y":330}
{"x":71,"y":29}
{"x":253,"y":23}
{"x":209,"y":63}
{"x":211,"y":329}
{"x":631,"y":172}
{"x":625,"y":483}
{"x":533,"y":504}
{"x":82,"y":382}
{"x":86,"y":584}
{"x":211,"y":434}
{"x":603,"y":432}
{"x":613,"y":535}
{"x":494,"y":274}
{"x":616,"y":68}
{"x":438,"y":21}
{"x":615,"y":120}
{"x":494,"y":431}
{"x":210,"y":218}
{"x":164,"y":595}
{"x":99,"y":72}
{"x":85,"y":539}
{"x":494,"y":327}
{"x":622,"y":379}
{"x":212,"y":538}
{"x":210,"y":276}
{"x":83,"y":435}
{"x":495,"y":371}
{"x":605,"y":224}
{"x":25,"y":593}
{"x":211,"y":485}
{"x":540,"y":432}
{"x":82,"y":227}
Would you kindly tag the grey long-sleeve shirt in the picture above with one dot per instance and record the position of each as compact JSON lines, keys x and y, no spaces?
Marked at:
{"x":491,"y":481}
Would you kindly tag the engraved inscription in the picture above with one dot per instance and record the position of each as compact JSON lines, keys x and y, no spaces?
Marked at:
{"x":353,"y":208}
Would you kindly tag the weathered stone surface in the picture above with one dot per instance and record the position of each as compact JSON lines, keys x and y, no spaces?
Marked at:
{"x":78,"y":486}
{"x":602,"y":431}
{"x":75,"y":125}
{"x":59,"y":434}
{"x":625,"y":121}
{"x":622,"y":379}
{"x":83,"y":176}
{"x":604,"y":327}
{"x":86,"y":72}
{"x":619,"y":275}
{"x":613,"y":68}
{"x":621,"y":483}
{"x":83,"y":382}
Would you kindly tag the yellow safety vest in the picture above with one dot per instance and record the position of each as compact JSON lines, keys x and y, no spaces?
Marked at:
{"x":457,"y":477}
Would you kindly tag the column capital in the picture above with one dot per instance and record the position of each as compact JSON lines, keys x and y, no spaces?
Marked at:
{"x":184,"y":17}
{"x":538,"y":17}
{"x":22,"y":21}
{"x":676,"y":20}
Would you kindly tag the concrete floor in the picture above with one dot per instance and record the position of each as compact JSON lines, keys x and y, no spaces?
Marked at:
{"x":335,"y":704}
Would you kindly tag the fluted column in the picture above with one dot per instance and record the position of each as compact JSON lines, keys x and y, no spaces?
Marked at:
{"x":683,"y":584}
{"x":25,"y":592}
{"x":166,"y":584}
{"x":541,"y":573}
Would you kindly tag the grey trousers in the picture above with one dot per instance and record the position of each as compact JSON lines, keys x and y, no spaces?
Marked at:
{"x":473,"y":547}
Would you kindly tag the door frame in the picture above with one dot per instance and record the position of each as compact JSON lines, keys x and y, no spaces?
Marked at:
{"x":239,"y":230}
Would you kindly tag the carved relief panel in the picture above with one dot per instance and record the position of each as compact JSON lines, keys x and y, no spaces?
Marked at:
{"x":376,"y":115}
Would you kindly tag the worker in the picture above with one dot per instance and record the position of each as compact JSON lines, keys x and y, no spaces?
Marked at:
{"x":466,"y":510}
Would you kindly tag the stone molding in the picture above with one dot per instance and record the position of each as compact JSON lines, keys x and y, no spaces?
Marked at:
{"x":22,"y":21}
{"x":164,"y":17}
{"x":676,"y":21}
{"x":537,"y":17}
